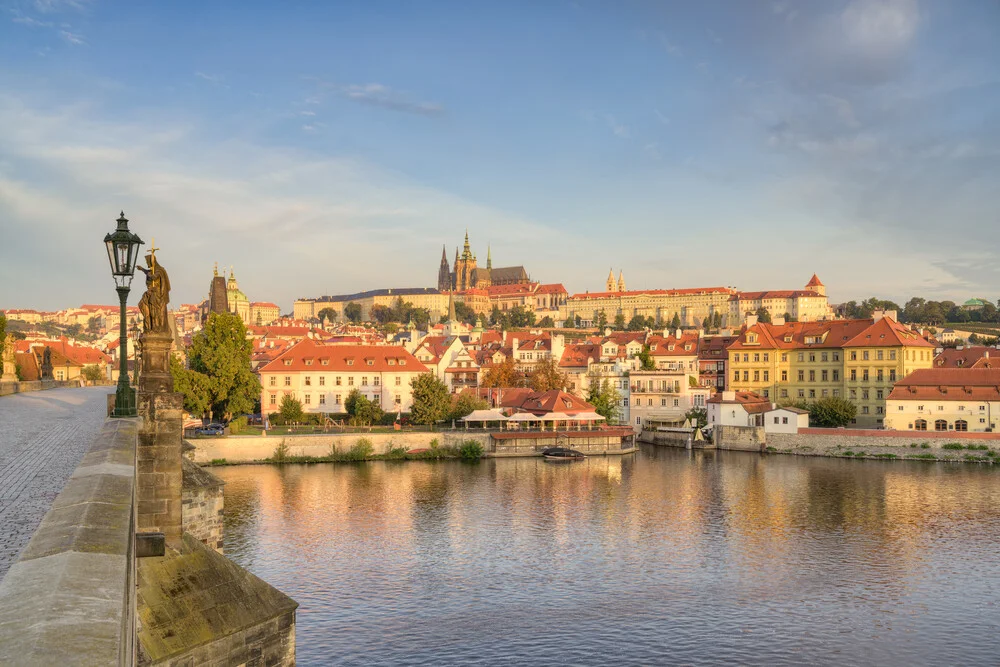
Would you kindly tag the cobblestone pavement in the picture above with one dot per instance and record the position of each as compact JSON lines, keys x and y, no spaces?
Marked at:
{"x":43,"y":437}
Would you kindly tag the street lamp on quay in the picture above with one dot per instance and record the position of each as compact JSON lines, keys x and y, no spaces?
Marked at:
{"x":123,"y":251}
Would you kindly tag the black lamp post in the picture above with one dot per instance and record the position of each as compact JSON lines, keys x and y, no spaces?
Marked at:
{"x":123,"y":251}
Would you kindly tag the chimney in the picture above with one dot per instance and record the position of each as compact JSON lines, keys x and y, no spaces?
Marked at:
{"x":751,"y":319}
{"x":778,"y":320}
{"x":729,"y":396}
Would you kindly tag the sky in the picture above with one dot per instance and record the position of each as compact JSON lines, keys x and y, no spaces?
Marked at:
{"x":328,"y":148}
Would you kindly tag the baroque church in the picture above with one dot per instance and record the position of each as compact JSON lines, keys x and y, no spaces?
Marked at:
{"x":467,"y":275}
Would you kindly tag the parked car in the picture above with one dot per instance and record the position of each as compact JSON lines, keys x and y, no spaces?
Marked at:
{"x":211,"y":429}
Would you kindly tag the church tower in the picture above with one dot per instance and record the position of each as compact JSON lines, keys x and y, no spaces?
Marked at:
{"x":621,"y":281}
{"x":444,"y":272}
{"x":610,"y":284}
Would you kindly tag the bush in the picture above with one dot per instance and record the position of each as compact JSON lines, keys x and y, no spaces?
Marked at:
{"x":770,"y":449}
{"x":926,"y":457}
{"x":361,"y":450}
{"x":885,"y":456}
{"x":471,"y":450}
{"x":925,"y":445}
{"x":218,"y":462}
{"x":848,"y":453}
{"x":979,"y":448}
{"x":237,"y":425}
{"x":913,"y":444}
{"x":395,"y":453}
{"x":952,"y":445}
{"x":280,"y":454}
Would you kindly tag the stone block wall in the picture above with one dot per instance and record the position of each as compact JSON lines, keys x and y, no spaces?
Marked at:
{"x":269,"y":643}
{"x":203,"y":505}
{"x":740,"y":438}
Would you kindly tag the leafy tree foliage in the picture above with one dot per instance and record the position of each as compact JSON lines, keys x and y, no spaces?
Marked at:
{"x":830,"y":412}
{"x":465,"y":404}
{"x":546,"y":376}
{"x":328,"y":314}
{"x":698,"y":417}
{"x":602,"y":319}
{"x":362,"y":410}
{"x":92,"y":373}
{"x":221,"y":353}
{"x":194,"y":386}
{"x":717,"y":320}
{"x":3,"y":333}
{"x":675,"y":323}
{"x":381,"y":314}
{"x":606,"y":399}
{"x":644,"y":356}
{"x":546,"y":322}
{"x":763,"y":316}
{"x":290,"y":409}
{"x":619,"y":324}
{"x":431,"y":400}
{"x":504,"y":374}
{"x":465,"y":313}
{"x":352,"y":312}
{"x":637,"y":323}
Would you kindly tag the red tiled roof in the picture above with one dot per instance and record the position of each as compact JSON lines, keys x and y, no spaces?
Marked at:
{"x":339,"y":356}
{"x":539,"y":403}
{"x":968,"y":357}
{"x":814,"y":282}
{"x":965,"y":384}
{"x":263,"y":304}
{"x":661,"y":347}
{"x":889,"y":333}
{"x":751,"y":402}
{"x":774,"y":294}
{"x":554,"y":288}
{"x":580,"y":354}
{"x":28,"y":365}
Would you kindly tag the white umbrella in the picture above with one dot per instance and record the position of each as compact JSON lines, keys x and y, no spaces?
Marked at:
{"x":485,"y":416}
{"x":523,"y":417}
{"x":587,"y":417}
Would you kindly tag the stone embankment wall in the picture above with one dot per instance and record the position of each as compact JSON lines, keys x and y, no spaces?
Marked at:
{"x":740,"y":438}
{"x":70,"y":597}
{"x":202,"y":505}
{"x":588,"y":442}
{"x":7,"y":388}
{"x":668,"y":438}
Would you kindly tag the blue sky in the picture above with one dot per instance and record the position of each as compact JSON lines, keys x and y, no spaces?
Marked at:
{"x":324,"y":148}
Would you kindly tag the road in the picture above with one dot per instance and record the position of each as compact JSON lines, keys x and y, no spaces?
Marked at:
{"x":43,"y":437}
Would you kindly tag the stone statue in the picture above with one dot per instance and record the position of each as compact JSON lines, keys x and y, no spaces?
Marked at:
{"x":153,"y":304}
{"x":46,"y":369}
{"x":9,"y":364}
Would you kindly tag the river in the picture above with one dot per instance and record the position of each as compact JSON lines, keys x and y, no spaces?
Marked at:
{"x":662,"y":557}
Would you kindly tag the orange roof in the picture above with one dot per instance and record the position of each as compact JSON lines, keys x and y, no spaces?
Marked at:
{"x":968,"y":357}
{"x":554,"y":288}
{"x":955,"y":384}
{"x":671,"y":346}
{"x":751,"y":402}
{"x":580,"y":354}
{"x":829,"y":334}
{"x":263,"y":304}
{"x":888,"y":333}
{"x":309,"y":355}
{"x":814,"y":282}
{"x":773,"y":294}
{"x":539,"y":403}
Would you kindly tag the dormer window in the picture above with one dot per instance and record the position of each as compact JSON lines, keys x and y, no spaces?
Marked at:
{"x":687,"y":348}
{"x":670,"y":347}
{"x":392,"y":362}
{"x":402,"y":362}
{"x":350,"y":362}
{"x":288,"y":362}
{"x":788,"y":339}
{"x":324,"y":362}
{"x":751,"y":338}
{"x":309,"y":362}
{"x":370,"y":362}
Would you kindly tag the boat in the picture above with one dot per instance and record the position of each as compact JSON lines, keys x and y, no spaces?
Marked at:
{"x":561,"y":454}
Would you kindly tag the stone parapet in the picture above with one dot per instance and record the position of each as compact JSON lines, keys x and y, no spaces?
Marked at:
{"x":70,"y":598}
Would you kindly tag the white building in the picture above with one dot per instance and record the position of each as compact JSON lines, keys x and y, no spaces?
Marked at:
{"x":737,"y":408}
{"x":785,"y":420}
{"x":945,"y":399}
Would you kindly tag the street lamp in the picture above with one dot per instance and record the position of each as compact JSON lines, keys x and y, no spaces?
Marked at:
{"x":123,"y":250}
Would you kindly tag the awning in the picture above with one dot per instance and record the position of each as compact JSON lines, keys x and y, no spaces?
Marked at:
{"x":485,"y":416}
{"x":524,"y":417}
{"x":587,"y":417}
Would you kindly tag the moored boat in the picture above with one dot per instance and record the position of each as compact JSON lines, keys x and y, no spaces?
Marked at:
{"x":561,"y":454}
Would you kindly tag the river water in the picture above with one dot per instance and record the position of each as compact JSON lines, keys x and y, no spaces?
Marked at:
{"x":660,"y":558}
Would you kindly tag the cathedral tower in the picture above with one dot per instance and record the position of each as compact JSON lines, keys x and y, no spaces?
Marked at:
{"x":444,"y":272}
{"x":610,"y":284}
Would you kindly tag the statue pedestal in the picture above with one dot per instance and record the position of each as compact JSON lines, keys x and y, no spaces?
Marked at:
{"x":159,"y":474}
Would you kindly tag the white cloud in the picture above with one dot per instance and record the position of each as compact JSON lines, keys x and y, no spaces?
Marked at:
{"x":211,"y":78}
{"x":72,"y":38}
{"x":619,"y":130}
{"x":380,"y":95}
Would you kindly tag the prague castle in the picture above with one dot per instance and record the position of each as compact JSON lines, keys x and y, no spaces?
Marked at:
{"x":466,"y":274}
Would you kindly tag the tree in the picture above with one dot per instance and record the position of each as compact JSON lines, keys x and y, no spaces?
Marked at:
{"x":763,"y":316}
{"x":648,"y":364}
{"x":637,"y":323}
{"x":790,"y":318}
{"x":465,"y":313}
{"x":698,"y":417}
{"x":706,"y":323}
{"x":546,"y":322}
{"x":221,"y":353}
{"x":569,"y":322}
{"x":328,"y":314}
{"x":94,"y":324}
{"x":602,"y":320}
{"x":504,"y":374}
{"x":619,"y":324}
{"x":3,"y":334}
{"x":675,"y":323}
{"x":352,"y":312}
{"x":193,"y":386}
{"x":362,"y":410}
{"x":382,"y":314}
{"x":465,"y":404}
{"x":546,"y":376}
{"x":291,"y":409}
{"x":831,"y":412}
{"x":431,"y":400}
{"x":92,"y":373}
{"x":605,"y":399}
{"x":717,"y":320}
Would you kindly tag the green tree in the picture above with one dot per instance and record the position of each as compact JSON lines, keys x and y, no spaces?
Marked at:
{"x":382,"y":314}
{"x":221,"y":352}
{"x":3,"y":333}
{"x":94,"y":324}
{"x":465,"y":404}
{"x":763,"y":316}
{"x":291,"y":409}
{"x":602,"y":320}
{"x":717,"y":320}
{"x":698,"y":417}
{"x":352,"y":312}
{"x":505,"y":374}
{"x":831,"y":412}
{"x":605,"y":399}
{"x":193,"y":386}
{"x":363,"y":411}
{"x":328,"y":314}
{"x":790,"y":318}
{"x":637,"y":323}
{"x":465,"y":313}
{"x":648,"y":364}
{"x":569,"y":322}
{"x":431,"y":400}
{"x":546,"y":322}
{"x":92,"y":373}
{"x":675,"y":322}
{"x":619,"y":324}
{"x":546,"y":376}
{"x":706,"y":323}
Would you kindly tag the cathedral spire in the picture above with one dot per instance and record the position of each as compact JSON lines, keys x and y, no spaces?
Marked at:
{"x":489,"y":258}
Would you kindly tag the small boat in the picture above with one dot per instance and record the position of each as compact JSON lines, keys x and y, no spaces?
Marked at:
{"x":561,"y":454}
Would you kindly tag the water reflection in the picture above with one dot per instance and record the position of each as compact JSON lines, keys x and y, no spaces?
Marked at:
{"x":667,"y":556}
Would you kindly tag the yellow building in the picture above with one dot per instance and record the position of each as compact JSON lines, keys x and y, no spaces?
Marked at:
{"x":859,"y":360}
{"x":433,"y":300}
{"x":946,"y":399}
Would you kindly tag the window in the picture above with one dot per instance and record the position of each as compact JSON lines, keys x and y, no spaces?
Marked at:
{"x":784,"y":420}
{"x":638,"y":420}
{"x":940,"y":425}
{"x":370,"y":362}
{"x":812,"y":356}
{"x":920,"y":425}
{"x":309,"y":362}
{"x":784,"y":393}
{"x":307,"y":399}
{"x":920,"y":408}
{"x":864,"y":355}
{"x":746,"y":376}
{"x":901,"y":408}
{"x":663,"y":402}
{"x":879,"y":375}
{"x":776,"y":420}
{"x":746,"y":357}
{"x":766,"y":356}
{"x":649,"y":402}
{"x":854,"y":375}
{"x":736,"y":376}
{"x":802,"y":393}
{"x":892,"y":355}
{"x":802,"y":356}
{"x":676,"y":403}
{"x":982,"y":407}
{"x":322,"y":380}
{"x":273,"y":400}
{"x":878,"y":409}
{"x":350,"y":381}
{"x":784,"y":356}
{"x":784,"y":376}
{"x":308,"y":381}
{"x":756,"y":356}
{"x":864,"y":375}
{"x":836,"y":375}
{"x":812,"y":376}
{"x":892,"y":375}
{"x":364,"y":380}
{"x":322,"y":399}
{"x":836,"y":356}
{"x":878,"y":394}
{"x":767,"y":376}
{"x":288,"y":380}
{"x":879,"y":355}
{"x":802,"y":376}
{"x":337,"y":381}
{"x":864,"y":409}
{"x":812,"y":393}
{"x":350,"y":362}
{"x":399,"y":380}
{"x":756,"y":376}
{"x":767,"y":393}
{"x":375,"y":381}
{"x":854,"y":394}
{"x":824,"y":356}
{"x":637,"y":402}
{"x":836,"y":393}
{"x":336,"y":399}
{"x":273,"y":381}
{"x":864,"y":394}
{"x":824,"y":375}
{"x":398,"y":399}
{"x":825,"y":393}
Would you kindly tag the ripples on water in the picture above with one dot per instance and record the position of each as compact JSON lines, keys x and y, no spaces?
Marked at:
{"x":665,"y":557}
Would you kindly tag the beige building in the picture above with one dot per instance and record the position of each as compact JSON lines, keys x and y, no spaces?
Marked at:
{"x":946,"y":399}
{"x":805,"y":305}
{"x":321,"y":376}
{"x":263,"y":313}
{"x":692,"y":306}
{"x":433,"y":300}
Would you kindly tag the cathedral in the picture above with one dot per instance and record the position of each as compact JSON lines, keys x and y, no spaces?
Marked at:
{"x":467,"y":275}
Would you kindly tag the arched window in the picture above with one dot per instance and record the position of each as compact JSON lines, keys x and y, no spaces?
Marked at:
{"x":961,"y":425}
{"x":940,"y":425}
{"x":920,"y":425}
